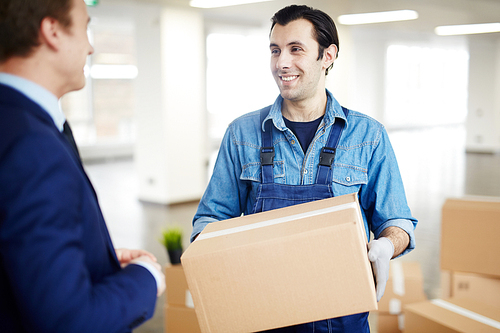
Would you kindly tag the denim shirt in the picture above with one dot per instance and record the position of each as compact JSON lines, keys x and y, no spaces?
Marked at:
{"x":365,"y":163}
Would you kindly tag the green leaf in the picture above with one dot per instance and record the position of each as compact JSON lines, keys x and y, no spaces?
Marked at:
{"x":172,"y":238}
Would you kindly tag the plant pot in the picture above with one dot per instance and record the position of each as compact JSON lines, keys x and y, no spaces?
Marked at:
{"x":175,"y":256}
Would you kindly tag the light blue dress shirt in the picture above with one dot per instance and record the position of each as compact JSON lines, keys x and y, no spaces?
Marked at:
{"x":37,"y":94}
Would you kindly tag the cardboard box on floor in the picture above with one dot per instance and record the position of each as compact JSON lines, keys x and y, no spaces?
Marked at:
{"x":482,"y":288}
{"x":180,"y":320}
{"x":180,"y":316}
{"x":469,"y":235}
{"x":282,"y":267}
{"x":451,"y":315}
{"x":390,"y":323}
{"x":177,"y":291}
{"x":445,"y":284}
{"x":404,"y":286}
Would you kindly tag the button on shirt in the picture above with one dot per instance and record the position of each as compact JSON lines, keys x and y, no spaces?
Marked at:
{"x":365,"y":163}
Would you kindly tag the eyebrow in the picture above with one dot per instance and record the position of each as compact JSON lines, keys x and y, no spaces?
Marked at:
{"x":296,"y":42}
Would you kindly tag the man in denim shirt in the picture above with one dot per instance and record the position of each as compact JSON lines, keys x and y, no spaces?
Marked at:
{"x":274,"y":157}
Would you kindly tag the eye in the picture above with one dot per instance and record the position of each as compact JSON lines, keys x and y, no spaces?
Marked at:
{"x":296,"y":49}
{"x":275,"y":51}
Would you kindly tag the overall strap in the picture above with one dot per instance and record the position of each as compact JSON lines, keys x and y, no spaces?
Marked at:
{"x":267,"y":150}
{"x":327,"y":155}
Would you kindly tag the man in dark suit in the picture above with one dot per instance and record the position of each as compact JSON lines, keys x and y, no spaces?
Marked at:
{"x":59,"y":271}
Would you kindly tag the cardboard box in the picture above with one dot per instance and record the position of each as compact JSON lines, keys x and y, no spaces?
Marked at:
{"x":177,"y":292}
{"x":390,"y":323}
{"x":180,"y":316}
{"x":404,"y":286}
{"x":282,"y":267}
{"x":479,"y":287}
{"x":469,"y":235}
{"x":180,"y":320}
{"x":452,"y":315}
{"x":445,"y":285}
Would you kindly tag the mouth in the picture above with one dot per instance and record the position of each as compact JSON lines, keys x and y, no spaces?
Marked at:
{"x":289,"y":78}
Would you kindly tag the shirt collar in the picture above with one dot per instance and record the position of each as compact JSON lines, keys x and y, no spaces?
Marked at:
{"x":333,"y":110}
{"x":37,"y":94}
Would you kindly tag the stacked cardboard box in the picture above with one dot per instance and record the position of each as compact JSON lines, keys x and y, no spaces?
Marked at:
{"x":469,"y":236}
{"x":470,"y":266}
{"x":282,"y":267}
{"x":180,"y":316}
{"x":405,"y":286}
{"x":484,"y":288}
{"x":451,"y":315}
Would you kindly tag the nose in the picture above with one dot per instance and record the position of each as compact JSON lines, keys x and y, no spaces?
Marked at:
{"x":283,"y":61}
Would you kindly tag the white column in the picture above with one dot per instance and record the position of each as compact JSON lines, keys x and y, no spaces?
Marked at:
{"x":170,"y":149}
{"x":483,"y":119}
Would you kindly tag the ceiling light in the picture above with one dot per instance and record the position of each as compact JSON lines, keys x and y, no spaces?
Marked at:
{"x":379,"y":17}
{"x":220,"y":3}
{"x":467,"y":29}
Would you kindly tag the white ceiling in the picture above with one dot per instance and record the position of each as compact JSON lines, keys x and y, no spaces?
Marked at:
{"x":432,"y":13}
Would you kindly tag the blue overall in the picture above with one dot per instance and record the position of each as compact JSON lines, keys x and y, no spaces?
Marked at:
{"x":272,"y":196}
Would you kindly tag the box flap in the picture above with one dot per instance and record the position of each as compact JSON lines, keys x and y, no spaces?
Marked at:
{"x":278,"y":223}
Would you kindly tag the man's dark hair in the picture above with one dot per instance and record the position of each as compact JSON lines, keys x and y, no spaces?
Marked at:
{"x":325,"y":31}
{"x":20,"y":22}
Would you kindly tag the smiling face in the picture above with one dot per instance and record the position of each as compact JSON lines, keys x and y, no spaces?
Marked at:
{"x":294,"y":61}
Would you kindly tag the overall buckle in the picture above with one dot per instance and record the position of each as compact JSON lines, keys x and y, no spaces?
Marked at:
{"x":267,"y":155}
{"x":327,"y":156}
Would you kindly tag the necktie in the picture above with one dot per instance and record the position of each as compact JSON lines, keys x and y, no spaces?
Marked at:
{"x":69,"y":136}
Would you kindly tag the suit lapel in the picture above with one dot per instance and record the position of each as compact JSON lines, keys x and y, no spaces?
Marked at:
{"x":12,"y":97}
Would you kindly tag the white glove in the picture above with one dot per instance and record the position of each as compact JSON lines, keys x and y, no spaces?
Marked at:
{"x":380,"y":253}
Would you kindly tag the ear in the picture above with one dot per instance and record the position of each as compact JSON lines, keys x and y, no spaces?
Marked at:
{"x":50,"y":33}
{"x":329,"y":55}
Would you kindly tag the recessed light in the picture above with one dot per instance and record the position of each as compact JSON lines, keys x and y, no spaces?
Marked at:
{"x":378,"y":17}
{"x":467,"y":29}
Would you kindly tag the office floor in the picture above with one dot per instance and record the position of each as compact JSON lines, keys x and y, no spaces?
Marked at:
{"x":433,"y":164}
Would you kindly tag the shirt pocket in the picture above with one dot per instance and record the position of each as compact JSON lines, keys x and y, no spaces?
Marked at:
{"x":348,"y":179}
{"x":252,"y":171}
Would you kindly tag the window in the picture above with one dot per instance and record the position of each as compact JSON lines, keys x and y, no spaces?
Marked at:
{"x":426,"y":86}
{"x":239,"y":78}
{"x":102,"y":113}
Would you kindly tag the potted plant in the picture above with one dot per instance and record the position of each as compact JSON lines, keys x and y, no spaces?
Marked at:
{"x":172,"y":240}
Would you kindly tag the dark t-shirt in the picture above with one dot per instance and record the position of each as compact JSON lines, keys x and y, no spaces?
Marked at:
{"x":304,"y":131}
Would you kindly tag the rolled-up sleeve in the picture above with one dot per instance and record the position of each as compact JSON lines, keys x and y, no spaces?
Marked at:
{"x":383,"y":198}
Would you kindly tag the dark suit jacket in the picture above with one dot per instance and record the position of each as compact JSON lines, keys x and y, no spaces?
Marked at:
{"x":58,"y":268}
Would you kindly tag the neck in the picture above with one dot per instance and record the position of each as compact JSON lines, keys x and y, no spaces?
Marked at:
{"x":30,"y":68}
{"x":304,"y":111}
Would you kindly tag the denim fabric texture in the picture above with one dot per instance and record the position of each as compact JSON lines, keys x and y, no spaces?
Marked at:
{"x":365,"y":163}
